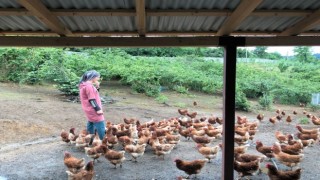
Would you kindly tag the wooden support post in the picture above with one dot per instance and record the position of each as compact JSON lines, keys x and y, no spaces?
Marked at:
{"x":229,"y":88}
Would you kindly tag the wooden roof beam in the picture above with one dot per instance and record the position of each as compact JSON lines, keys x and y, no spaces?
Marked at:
{"x":243,"y":10}
{"x":39,"y":10}
{"x":28,"y":33}
{"x":172,"y":12}
{"x":213,"y":41}
{"x":278,"y":13}
{"x":224,"y":12}
{"x":179,"y":12}
{"x":149,"y":34}
{"x":152,"y":12}
{"x":93,"y":12}
{"x":304,"y":25}
{"x":141,"y":17}
{"x":14,"y":12}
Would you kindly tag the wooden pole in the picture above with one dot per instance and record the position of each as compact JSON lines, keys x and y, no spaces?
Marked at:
{"x":229,"y":88}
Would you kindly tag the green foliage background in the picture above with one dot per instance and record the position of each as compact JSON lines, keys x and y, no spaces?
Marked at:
{"x":150,"y":70}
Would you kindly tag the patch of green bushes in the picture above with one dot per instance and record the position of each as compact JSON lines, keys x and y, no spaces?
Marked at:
{"x":287,"y":82}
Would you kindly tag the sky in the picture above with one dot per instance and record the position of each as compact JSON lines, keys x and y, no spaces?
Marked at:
{"x":287,"y":50}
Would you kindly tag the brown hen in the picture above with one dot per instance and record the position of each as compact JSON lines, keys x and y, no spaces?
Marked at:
{"x":307,"y":131}
{"x":284,"y":158}
{"x":208,"y":152}
{"x":260,"y":117}
{"x":247,"y":168}
{"x":114,"y":157}
{"x":84,"y":174}
{"x":265,"y":150}
{"x":275,"y":174}
{"x":73,"y":164}
{"x":135,"y":150}
{"x":183,"y":112}
{"x":191,"y":167}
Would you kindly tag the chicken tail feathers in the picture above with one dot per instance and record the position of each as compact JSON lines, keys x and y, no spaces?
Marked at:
{"x":81,"y":162}
{"x":205,"y":160}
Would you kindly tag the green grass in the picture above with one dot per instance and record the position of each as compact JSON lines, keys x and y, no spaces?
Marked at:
{"x":180,"y":105}
{"x":304,"y":120}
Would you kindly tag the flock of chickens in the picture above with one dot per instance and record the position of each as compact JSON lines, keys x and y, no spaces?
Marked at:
{"x":133,"y":137}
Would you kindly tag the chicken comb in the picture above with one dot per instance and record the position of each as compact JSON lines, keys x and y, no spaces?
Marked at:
{"x":66,"y":153}
{"x":198,"y":145}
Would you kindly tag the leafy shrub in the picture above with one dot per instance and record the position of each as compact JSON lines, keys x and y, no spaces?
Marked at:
{"x":283,"y":66}
{"x":257,"y":87}
{"x":241,"y":102}
{"x":17,"y":63}
{"x":147,"y":88}
{"x":212,"y":87}
{"x":266,"y":101}
{"x":293,"y":84}
{"x":181,"y":89}
{"x":152,"y":90}
{"x":162,"y":99}
{"x":292,"y":95}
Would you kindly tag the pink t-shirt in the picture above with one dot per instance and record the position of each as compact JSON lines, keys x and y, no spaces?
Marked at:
{"x":88,"y":91}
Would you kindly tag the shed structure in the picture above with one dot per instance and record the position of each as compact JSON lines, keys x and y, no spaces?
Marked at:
{"x":165,"y":23}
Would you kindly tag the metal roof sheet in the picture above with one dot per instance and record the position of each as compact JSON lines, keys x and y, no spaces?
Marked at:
{"x":191,"y":4}
{"x":290,"y":4}
{"x":171,"y":22}
{"x":89,"y":4}
{"x":99,"y":23}
{"x":184,"y":23}
{"x":267,"y":23}
{"x":21,"y":23}
{"x":9,"y":4}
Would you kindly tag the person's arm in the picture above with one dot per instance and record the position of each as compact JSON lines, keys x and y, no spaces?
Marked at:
{"x":94,"y":104}
{"x":92,"y":100}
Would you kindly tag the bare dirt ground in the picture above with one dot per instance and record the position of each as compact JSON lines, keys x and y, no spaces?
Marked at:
{"x":32,"y":117}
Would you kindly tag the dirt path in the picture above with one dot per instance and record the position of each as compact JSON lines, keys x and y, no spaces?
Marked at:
{"x":32,"y":118}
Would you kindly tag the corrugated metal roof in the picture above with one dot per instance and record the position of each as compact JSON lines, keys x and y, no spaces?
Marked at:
{"x":191,"y":4}
{"x":267,"y":23}
{"x":290,"y":4}
{"x":184,"y":23}
{"x":99,"y":23}
{"x":164,"y":23}
{"x":21,"y":23}
{"x":9,"y":4}
{"x":89,"y":4}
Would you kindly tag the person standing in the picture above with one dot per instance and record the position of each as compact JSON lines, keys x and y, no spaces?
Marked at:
{"x":91,"y":102}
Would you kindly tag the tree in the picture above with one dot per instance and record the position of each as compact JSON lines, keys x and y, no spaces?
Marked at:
{"x":241,"y":53}
{"x":244,"y":53}
{"x":303,"y":54}
{"x":260,"y":51}
{"x":274,"y":56}
{"x":213,"y":52}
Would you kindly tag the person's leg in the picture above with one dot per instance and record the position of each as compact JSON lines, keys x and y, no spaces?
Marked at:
{"x":90,"y":127}
{"x":101,"y":128}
